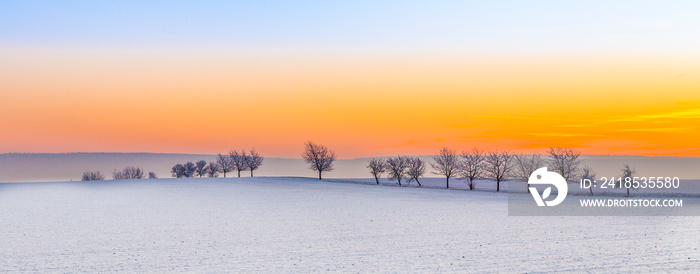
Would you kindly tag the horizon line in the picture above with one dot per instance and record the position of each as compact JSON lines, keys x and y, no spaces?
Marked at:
{"x":425,"y":155}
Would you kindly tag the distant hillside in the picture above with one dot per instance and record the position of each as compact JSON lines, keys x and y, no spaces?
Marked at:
{"x":34,"y":167}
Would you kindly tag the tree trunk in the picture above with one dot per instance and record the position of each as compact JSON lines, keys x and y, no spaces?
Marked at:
{"x":239,"y":173}
{"x":471,"y":184}
{"x":498,"y":185}
{"x":628,"y":192}
{"x":418,"y":182}
{"x":448,"y":183}
{"x":376,"y":179}
{"x":399,"y":179}
{"x":319,"y":175}
{"x":251,"y":173}
{"x":591,"y":189}
{"x":224,"y":174}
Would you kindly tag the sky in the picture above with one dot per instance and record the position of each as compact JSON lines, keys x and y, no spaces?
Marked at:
{"x":366,"y":78}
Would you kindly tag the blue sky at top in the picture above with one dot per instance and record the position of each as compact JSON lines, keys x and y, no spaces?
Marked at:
{"x":462,"y":26}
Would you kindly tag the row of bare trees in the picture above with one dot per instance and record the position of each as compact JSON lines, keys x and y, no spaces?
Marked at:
{"x":495,"y":165}
{"x":319,"y":158}
{"x":190,"y":169}
{"x":239,"y":161}
{"x":468,"y":165}
{"x":236,"y":160}
{"x":473,"y":164}
{"x":398,"y":168}
{"x":127,"y":173}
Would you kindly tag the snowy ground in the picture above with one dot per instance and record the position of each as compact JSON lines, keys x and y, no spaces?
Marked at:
{"x":302,"y":225}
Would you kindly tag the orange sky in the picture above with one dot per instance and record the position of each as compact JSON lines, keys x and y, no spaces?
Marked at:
{"x":209,"y":101}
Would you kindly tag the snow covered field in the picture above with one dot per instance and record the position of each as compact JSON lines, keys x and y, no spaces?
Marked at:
{"x":300,"y":225}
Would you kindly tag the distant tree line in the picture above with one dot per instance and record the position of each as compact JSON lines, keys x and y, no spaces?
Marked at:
{"x":127,"y":173}
{"x":467,"y":165}
{"x":398,"y":168}
{"x":494,"y":165}
{"x":235,"y":161}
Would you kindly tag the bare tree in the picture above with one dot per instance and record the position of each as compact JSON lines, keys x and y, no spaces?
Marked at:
{"x":200,"y":168}
{"x":238,"y":159}
{"x":626,"y":179}
{"x":415,"y":170}
{"x":376,"y":166}
{"x":587,"y":173}
{"x":225,"y":164}
{"x":252,"y":161}
{"x":526,"y":165}
{"x":447,"y":163}
{"x":92,"y":176}
{"x":498,"y":166}
{"x":396,"y":168}
{"x":152,"y":175}
{"x":319,"y":158}
{"x":213,"y":169}
{"x":565,"y":161}
{"x":472,"y":165}
{"x":178,"y":171}
{"x":190,"y":169}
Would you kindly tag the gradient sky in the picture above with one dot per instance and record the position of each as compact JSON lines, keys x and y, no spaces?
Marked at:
{"x":367,"y":78}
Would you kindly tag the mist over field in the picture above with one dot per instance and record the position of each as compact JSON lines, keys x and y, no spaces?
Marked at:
{"x":35,"y":167}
